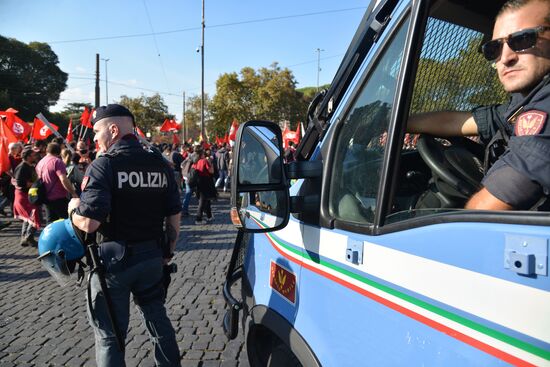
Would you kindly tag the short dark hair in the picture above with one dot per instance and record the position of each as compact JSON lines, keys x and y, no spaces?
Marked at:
{"x":26,"y":153}
{"x":53,"y":148}
{"x":40,"y":143}
{"x":512,"y":5}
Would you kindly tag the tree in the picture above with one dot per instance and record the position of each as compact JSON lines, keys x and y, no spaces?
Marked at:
{"x":30,"y":79}
{"x":149,"y":112}
{"x":267,"y":94}
{"x":193,"y":116}
{"x":310,"y":92}
{"x":74,"y":110}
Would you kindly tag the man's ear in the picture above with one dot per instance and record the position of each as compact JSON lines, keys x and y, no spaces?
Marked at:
{"x":114,"y":130}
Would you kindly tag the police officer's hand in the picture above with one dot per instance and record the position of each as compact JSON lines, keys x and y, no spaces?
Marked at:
{"x":74,"y":203}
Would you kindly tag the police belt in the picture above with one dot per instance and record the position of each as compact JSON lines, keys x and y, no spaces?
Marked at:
{"x":117,"y":254}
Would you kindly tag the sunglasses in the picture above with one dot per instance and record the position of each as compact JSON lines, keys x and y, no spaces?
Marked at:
{"x":517,"y":41}
{"x":83,"y":151}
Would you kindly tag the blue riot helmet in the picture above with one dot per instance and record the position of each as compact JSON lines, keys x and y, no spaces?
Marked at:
{"x":59,"y":249}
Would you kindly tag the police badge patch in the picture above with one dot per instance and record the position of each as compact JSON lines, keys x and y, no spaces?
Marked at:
{"x":530,"y":123}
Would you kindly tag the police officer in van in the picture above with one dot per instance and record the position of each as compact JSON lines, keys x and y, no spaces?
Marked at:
{"x":128,"y":193}
{"x":520,"y":53}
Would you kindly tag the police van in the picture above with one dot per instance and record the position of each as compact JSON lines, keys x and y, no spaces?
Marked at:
{"x":360,"y":252}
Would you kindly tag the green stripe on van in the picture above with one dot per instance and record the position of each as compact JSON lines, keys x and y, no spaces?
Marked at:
{"x":415,"y":301}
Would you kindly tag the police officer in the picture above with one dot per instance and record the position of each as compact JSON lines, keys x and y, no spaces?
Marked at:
{"x":520,"y":51}
{"x":128,"y":193}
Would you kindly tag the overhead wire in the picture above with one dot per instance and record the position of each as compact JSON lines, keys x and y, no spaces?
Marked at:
{"x":156,"y":45}
{"x":154,"y":34}
{"x":262,"y":20}
{"x":127,"y":86}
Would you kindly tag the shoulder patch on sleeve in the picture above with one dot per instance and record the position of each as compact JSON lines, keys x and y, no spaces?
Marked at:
{"x":530,"y":123}
{"x":84,"y":182}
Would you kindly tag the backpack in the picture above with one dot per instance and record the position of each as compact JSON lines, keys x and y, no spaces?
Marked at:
{"x":193,"y":177}
{"x":186,"y":167}
{"x":37,"y":193}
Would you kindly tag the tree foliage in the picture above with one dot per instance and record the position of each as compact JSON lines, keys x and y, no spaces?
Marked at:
{"x":75,"y":109}
{"x":266,"y":94}
{"x":310,"y":92}
{"x":149,"y":112}
{"x":193,"y":116}
{"x":30,"y":79}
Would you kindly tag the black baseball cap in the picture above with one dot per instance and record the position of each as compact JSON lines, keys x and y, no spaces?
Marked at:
{"x":111,"y":110}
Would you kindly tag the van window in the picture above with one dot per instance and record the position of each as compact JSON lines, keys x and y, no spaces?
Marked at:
{"x":362,"y":139}
{"x":452,"y":75}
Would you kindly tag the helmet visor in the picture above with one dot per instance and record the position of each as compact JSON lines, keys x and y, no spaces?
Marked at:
{"x":57,"y":266}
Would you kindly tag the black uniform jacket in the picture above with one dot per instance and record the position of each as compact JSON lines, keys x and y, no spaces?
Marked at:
{"x":130,"y":190}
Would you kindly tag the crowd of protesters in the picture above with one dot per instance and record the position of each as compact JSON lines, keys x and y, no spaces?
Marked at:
{"x":212,"y":165}
{"x":60,"y":178}
{"x":63,"y":172}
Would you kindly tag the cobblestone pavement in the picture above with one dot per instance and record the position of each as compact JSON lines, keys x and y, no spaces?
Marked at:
{"x":43,"y":324}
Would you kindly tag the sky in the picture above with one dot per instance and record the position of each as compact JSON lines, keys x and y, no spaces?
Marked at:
{"x":151,"y":45}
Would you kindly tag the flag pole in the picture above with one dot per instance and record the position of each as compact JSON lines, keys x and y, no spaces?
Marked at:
{"x":42,"y":118}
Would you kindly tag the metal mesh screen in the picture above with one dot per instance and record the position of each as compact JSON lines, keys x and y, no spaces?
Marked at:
{"x":452,"y":73}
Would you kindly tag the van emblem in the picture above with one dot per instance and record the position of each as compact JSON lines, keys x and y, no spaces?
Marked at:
{"x":283,"y":282}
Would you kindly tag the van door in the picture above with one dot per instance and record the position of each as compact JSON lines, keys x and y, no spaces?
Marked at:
{"x":402,"y":285}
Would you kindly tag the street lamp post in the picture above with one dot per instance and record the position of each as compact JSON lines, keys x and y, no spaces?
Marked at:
{"x":318,"y":65}
{"x":106,"y":83}
{"x":202,"y":74}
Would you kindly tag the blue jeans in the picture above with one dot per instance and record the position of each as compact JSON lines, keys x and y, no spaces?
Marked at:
{"x":186,"y":198}
{"x":136,"y":278}
{"x":222,"y":179}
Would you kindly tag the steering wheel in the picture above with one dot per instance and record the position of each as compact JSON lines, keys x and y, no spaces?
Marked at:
{"x":459,"y":165}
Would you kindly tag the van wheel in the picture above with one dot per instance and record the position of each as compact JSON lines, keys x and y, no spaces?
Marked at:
{"x":281,"y":356}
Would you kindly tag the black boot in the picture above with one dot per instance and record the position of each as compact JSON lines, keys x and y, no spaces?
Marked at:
{"x":32,"y":242}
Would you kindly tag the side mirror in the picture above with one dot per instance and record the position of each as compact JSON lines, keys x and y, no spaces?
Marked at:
{"x":259,"y":190}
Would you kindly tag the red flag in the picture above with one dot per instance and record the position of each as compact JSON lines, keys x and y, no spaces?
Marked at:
{"x":218,"y":141}
{"x":298,"y":133}
{"x":205,"y":145}
{"x":19,"y":127}
{"x":289,"y":135}
{"x":175,"y":125}
{"x":168,"y":125}
{"x":175,"y":139}
{"x":86,"y":118}
{"x":140,"y":133}
{"x":40,"y":131}
{"x":70,"y":131}
{"x":92,"y":114}
{"x":6,"y":137}
{"x":285,"y":132}
{"x":233,"y":130}
{"x":226,"y":138}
